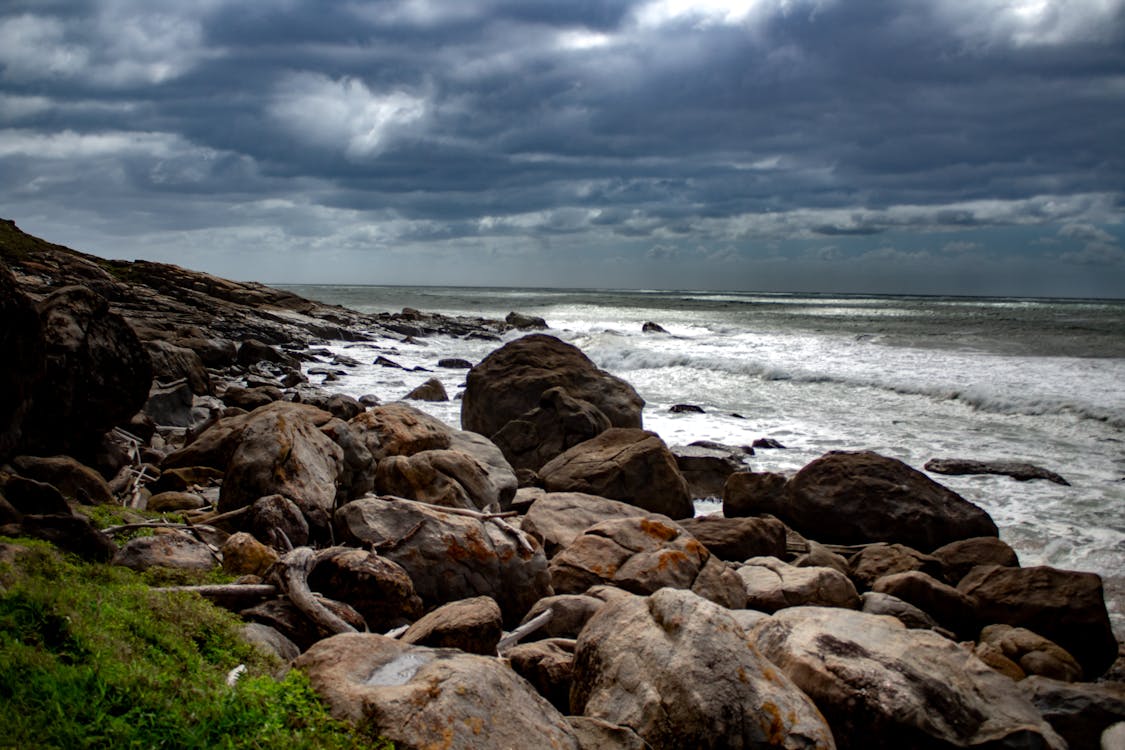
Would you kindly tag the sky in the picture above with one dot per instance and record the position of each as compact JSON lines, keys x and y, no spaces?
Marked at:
{"x":896,"y":146}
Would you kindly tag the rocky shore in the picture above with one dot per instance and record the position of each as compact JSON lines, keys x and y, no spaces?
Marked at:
{"x":535,"y":579}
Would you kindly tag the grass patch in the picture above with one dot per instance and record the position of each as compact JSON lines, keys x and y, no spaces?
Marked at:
{"x":91,"y":658}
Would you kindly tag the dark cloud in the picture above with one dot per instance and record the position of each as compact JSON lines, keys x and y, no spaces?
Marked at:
{"x":658,"y":130}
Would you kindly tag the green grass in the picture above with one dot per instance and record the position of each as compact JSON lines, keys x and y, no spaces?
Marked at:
{"x":91,"y":658}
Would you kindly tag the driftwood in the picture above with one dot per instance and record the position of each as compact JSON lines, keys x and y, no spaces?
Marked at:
{"x":511,"y":639}
{"x":291,"y":572}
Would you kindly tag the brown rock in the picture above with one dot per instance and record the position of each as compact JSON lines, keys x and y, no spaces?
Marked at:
{"x":630,"y":465}
{"x":378,"y":589}
{"x":165,"y":551}
{"x":69,"y":532}
{"x":278,"y":522}
{"x":748,"y":493}
{"x":557,"y":423}
{"x":962,"y":556}
{"x":951,"y":608}
{"x":569,"y":614}
{"x":448,"y":478}
{"x":251,"y":398}
{"x":772,"y":585}
{"x":28,"y":496}
{"x":431,"y":390}
{"x":510,"y":381}
{"x":881,"y":559}
{"x":245,"y":555}
{"x":21,"y":341}
{"x":595,"y":734}
{"x":171,"y":501}
{"x":738,"y":539}
{"x":471,"y":625}
{"x":549,"y":666}
{"x":1080,"y":712}
{"x":171,"y":363}
{"x":1032,"y":652}
{"x":705,"y":469}
{"x":398,"y":429}
{"x":677,"y":670}
{"x":855,"y":498}
{"x":283,"y":616}
{"x":1067,"y":607}
{"x":876,"y":603}
{"x":557,"y":518}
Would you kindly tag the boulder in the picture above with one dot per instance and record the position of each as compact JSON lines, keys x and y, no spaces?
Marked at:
{"x":738,"y":539}
{"x":707,"y":469}
{"x":21,"y":342}
{"x":510,"y":381}
{"x":176,"y":406}
{"x":881,"y":559}
{"x":1034,"y":654}
{"x":450,"y":557}
{"x":643,"y":555}
{"x":471,"y":625}
{"x":251,"y":398}
{"x":549,"y":666}
{"x":398,"y":429}
{"x":72,"y":533}
{"x":882,"y":686}
{"x":419,"y":697}
{"x":950,"y":607}
{"x":819,"y":556}
{"x":1015,"y":469}
{"x":270,"y":641}
{"x":569,"y":614}
{"x":27,"y":496}
{"x":251,"y":351}
{"x":1065,"y":606}
{"x":501,"y":476}
{"x":630,"y":465}
{"x":557,"y":518}
{"x":595,"y":734}
{"x":97,"y":374}
{"x":171,"y":363}
{"x":875,"y":603}
{"x":277,"y":521}
{"x":749,"y":493}
{"x":283,"y":616}
{"x":557,"y":423}
{"x":677,"y":670}
{"x":431,"y":390}
{"x":244,"y":555}
{"x":440,"y":477}
{"x":525,"y":322}
{"x":338,"y":405}
{"x":454,"y":363}
{"x":855,"y":498}
{"x":172,"y":501}
{"x":772,"y":585}
{"x":650,"y":327}
{"x":378,"y":589}
{"x":958,"y":558}
{"x":1080,"y":712}
{"x":685,"y":409}
{"x":165,"y":551}
{"x":74,"y":480}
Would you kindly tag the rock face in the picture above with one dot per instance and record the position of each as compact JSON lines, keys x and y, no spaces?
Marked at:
{"x":21,"y":341}
{"x":853,"y":498}
{"x":630,"y":465}
{"x":450,"y":557}
{"x":1067,"y":607}
{"x":509,"y":382}
{"x":557,"y":518}
{"x":738,"y":539}
{"x":678,"y":671}
{"x":557,"y":423}
{"x":880,"y":685}
{"x":772,"y":585}
{"x":96,"y":375}
{"x":642,"y":555}
{"x":420,"y":697}
{"x":1014,"y":469}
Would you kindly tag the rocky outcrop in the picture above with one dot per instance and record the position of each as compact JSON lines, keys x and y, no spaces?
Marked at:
{"x":633,"y":466}
{"x":510,"y":381}
{"x":853,"y":498}
{"x":1024,"y":472}
{"x":419,"y":697}
{"x":1066,"y":606}
{"x":880,"y":685}
{"x":21,"y":341}
{"x":677,"y":671}
{"x":450,"y":557}
{"x":641,"y":555}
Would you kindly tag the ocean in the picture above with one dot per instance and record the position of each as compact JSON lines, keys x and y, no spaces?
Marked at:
{"x":915,"y":378}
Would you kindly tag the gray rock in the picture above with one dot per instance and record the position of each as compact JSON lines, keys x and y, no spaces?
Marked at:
{"x":557,"y":518}
{"x":569,"y":614}
{"x":772,"y":585}
{"x":431,"y":390}
{"x":1015,"y":469}
{"x":166,"y":551}
{"x":269,"y":640}
{"x":875,"y":603}
{"x":595,"y":734}
{"x":707,"y":469}
{"x":1080,"y":712}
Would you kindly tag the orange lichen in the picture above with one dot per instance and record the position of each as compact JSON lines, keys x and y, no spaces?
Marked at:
{"x":658,"y":530}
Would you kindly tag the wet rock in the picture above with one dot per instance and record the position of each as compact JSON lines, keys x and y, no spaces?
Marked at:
{"x":525,"y":322}
{"x":772,"y":585}
{"x":707,"y":469}
{"x":510,"y":381}
{"x":650,"y":327}
{"x":738,"y":539}
{"x":642,"y":555}
{"x":686,"y":409}
{"x":338,"y":405}
{"x":471,"y":625}
{"x":1015,"y":469}
{"x":1066,"y":606}
{"x":767,"y":444}
{"x":252,"y":351}
{"x":748,"y":493}
{"x":557,"y":518}
{"x":379,"y":589}
{"x":431,"y":390}
{"x":385,"y":362}
{"x":855,"y":498}
{"x":630,"y":465}
{"x":882,"y":559}
{"x":421,"y":697}
{"x":1034,"y":654}
{"x":165,"y":551}
{"x":1080,"y":712}
{"x":453,"y":363}
{"x":677,"y":670}
{"x":557,"y":423}
{"x":549,"y":666}
{"x":958,"y":558}
{"x":450,"y":557}
{"x":879,"y":684}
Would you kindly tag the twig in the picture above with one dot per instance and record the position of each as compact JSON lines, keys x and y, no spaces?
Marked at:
{"x":511,"y":639}
{"x":519,"y":535}
{"x":396,"y":632}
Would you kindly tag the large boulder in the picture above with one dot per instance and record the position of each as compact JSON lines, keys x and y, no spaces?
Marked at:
{"x":958,"y":558}
{"x":642,"y":555}
{"x":549,"y":666}
{"x":557,"y":518}
{"x":509,"y":382}
{"x":1034,"y":654}
{"x":706,"y":468}
{"x":854,"y":498}
{"x":677,"y":670}
{"x":74,"y":480}
{"x":21,"y":345}
{"x":419,"y":697}
{"x":450,"y":557}
{"x":1065,"y":606}
{"x":96,"y":376}
{"x":557,"y":423}
{"x":772,"y":585}
{"x":398,"y":429}
{"x":950,"y":607}
{"x":738,"y":539}
{"x":472,"y":625}
{"x":883,"y":687}
{"x":444,"y":477}
{"x":749,"y":493}
{"x":171,"y":363}
{"x":569,"y":614}
{"x":375,"y":587}
{"x":166,"y":551}
{"x":881,"y":559}
{"x":630,"y":465}
{"x":1080,"y":712}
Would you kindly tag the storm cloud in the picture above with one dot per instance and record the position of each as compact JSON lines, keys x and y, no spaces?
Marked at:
{"x":764,"y":144}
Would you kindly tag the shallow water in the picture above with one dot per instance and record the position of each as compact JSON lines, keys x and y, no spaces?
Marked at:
{"x":915,"y":378}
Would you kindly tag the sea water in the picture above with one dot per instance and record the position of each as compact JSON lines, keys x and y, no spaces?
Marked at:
{"x":915,"y":378}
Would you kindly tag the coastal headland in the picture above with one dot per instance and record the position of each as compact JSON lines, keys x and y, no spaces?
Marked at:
{"x":534,"y":578}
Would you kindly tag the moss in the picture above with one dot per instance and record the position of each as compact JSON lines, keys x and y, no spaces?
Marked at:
{"x":91,"y":657}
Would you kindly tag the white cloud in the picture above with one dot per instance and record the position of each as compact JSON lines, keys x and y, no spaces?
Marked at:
{"x":71,"y":145}
{"x":1099,"y":247}
{"x":344,"y":114}
{"x":704,"y":13}
{"x":34,"y":47}
{"x":1031,"y":22}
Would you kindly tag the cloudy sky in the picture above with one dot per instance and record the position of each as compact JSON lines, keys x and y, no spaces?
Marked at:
{"x":931,"y":146}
